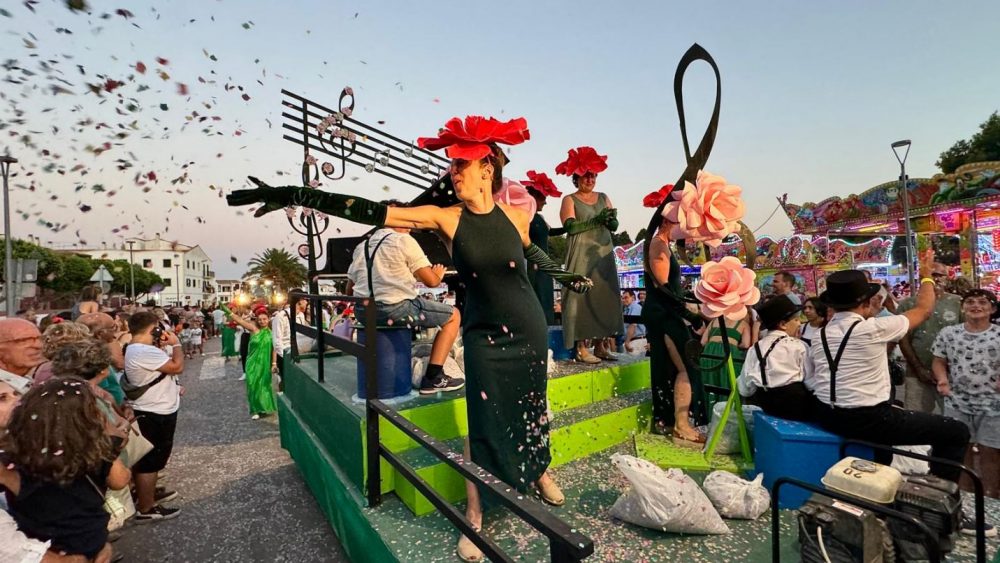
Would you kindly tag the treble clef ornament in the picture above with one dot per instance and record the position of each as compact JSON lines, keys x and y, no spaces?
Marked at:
{"x":699,"y":158}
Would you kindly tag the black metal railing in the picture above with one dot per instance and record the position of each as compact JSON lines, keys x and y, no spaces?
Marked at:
{"x":565,"y":543}
{"x":977,"y":483}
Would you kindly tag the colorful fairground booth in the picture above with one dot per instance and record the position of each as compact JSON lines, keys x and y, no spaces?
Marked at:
{"x":957,"y":214}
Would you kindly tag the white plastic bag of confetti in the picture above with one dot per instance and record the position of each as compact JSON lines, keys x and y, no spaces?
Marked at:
{"x":417,"y":368}
{"x":909,"y":465}
{"x":729,"y":441}
{"x":735,"y":497}
{"x":669,"y":500}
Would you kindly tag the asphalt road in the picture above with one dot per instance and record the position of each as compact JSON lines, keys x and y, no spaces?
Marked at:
{"x":241,"y":497}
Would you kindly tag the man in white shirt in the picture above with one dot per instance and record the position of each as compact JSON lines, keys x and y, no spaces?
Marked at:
{"x":396,"y":261}
{"x":281,"y":337}
{"x":773,"y":370}
{"x":848,"y":370}
{"x":20,"y":347}
{"x":153,"y":359}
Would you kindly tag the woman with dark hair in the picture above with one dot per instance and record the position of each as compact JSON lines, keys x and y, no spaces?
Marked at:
{"x":816,"y":313}
{"x":590,"y":219}
{"x":505,"y":345}
{"x":57,"y":464}
{"x":261,"y":361}
{"x":88,"y":302}
{"x":541,"y":187}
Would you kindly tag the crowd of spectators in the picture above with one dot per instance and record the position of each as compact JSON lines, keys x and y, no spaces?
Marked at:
{"x":88,"y":410}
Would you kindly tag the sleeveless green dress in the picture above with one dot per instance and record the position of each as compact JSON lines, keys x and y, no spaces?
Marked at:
{"x":714,"y":370}
{"x":260,"y":395}
{"x":506,"y":351}
{"x":597,"y":313}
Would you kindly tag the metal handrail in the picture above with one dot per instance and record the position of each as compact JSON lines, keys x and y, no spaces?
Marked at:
{"x":565,"y":543}
{"x":930,"y":538}
{"x":977,"y":483}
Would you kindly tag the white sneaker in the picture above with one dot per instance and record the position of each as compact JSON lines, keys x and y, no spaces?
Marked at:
{"x":255,"y":417}
{"x":242,"y":377}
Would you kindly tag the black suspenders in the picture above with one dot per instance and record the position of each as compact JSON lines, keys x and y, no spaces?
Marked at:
{"x":370,"y":264}
{"x":833,"y":362}
{"x":762,"y":359}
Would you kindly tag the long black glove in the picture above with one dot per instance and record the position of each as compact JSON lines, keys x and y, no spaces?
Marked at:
{"x":352,"y":208}
{"x":576,"y":282}
{"x":573,"y":226}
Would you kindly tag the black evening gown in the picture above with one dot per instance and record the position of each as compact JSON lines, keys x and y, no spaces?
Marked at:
{"x":505,"y":338}
{"x":538,"y":232}
{"x":662,"y":319}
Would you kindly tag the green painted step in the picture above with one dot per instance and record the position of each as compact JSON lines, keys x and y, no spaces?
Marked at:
{"x":575,"y":433}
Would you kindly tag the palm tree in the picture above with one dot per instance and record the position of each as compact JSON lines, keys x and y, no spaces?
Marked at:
{"x":279,"y":266}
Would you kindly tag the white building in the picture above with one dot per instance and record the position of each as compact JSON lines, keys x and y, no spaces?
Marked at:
{"x":226,"y":290}
{"x":188,"y":278}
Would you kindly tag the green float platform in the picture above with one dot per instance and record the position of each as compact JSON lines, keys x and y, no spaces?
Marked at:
{"x":596,"y":413}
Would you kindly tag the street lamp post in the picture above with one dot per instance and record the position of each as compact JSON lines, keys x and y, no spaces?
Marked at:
{"x":906,"y":207}
{"x":177,"y":277}
{"x":5,"y":162}
{"x":131,"y":267}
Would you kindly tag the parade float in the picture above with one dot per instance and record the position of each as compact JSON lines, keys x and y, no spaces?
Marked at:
{"x":387,"y":470}
{"x":964,"y":204}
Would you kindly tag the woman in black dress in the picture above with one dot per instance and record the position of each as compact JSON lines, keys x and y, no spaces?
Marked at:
{"x":504,"y":329}
{"x":541,"y":187}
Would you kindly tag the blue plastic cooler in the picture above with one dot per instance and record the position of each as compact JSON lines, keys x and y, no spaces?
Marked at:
{"x":393,"y":362}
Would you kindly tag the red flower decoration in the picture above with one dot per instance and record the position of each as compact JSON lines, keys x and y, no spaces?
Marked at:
{"x":471,"y":139}
{"x":541,"y":182}
{"x":581,"y":160}
{"x":654,"y":199}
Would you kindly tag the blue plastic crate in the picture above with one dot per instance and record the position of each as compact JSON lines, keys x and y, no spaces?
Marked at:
{"x":785,"y":448}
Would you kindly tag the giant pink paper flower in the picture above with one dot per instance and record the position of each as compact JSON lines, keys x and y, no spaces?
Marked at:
{"x":726,"y":288}
{"x":708,"y":211}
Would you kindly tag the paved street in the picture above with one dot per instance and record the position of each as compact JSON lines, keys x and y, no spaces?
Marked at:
{"x":242,"y":498}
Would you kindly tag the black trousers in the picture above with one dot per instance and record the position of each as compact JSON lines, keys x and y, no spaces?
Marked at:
{"x":791,"y":402}
{"x":244,"y":349}
{"x":892,"y":426}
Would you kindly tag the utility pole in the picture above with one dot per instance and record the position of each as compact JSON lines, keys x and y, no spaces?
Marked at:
{"x":131,"y":267}
{"x":9,"y":297}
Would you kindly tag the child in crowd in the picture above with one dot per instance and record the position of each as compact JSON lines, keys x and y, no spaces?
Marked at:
{"x":185,"y":337}
{"x":57,"y":464}
{"x":197,"y":335}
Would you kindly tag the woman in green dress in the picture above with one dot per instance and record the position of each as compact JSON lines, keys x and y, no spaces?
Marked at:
{"x":590,"y":219}
{"x":261,"y":362}
{"x":229,"y":340}
{"x":714,"y":368}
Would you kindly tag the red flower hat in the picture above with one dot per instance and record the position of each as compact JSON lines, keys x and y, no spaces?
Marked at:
{"x":654,"y":199}
{"x":541,"y":182}
{"x":581,"y":160}
{"x":471,"y":139}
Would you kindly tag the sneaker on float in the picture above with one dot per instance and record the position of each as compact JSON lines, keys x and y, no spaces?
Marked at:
{"x":163,"y":495}
{"x":441,"y":384}
{"x":969,"y":527}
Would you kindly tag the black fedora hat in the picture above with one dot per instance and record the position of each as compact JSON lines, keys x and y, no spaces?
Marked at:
{"x":776,"y":309}
{"x":848,"y":288}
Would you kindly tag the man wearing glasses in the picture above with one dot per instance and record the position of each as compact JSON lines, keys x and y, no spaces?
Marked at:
{"x":920,"y":393}
{"x":20,"y":347}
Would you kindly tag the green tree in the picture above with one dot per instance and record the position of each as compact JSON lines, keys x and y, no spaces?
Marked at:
{"x":122,"y":283}
{"x":983,"y":146}
{"x":640,"y":235}
{"x":279,"y":266}
{"x":49,"y":263}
